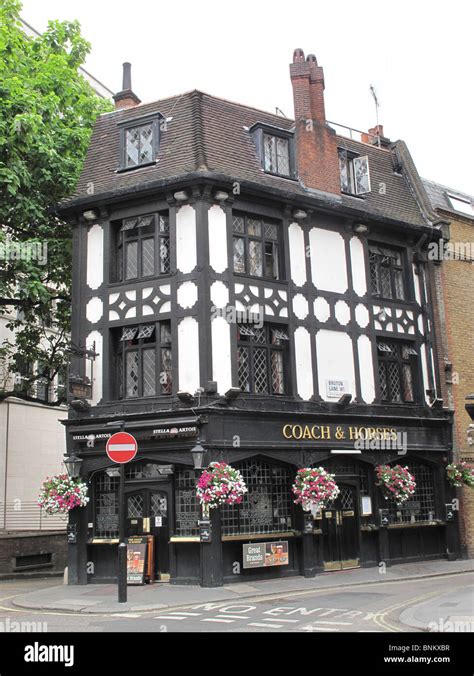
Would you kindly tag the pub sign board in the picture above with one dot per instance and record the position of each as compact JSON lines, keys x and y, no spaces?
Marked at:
{"x":264,"y":554}
{"x":136,"y":559}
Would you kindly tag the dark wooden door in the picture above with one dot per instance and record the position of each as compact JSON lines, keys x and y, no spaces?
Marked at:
{"x":146,"y":510}
{"x":340,"y":531}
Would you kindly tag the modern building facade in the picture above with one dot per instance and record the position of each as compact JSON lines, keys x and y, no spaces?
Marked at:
{"x":456,"y":258}
{"x":257,"y":285}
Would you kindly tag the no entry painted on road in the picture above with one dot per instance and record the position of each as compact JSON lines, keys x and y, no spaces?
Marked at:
{"x":121,"y":447}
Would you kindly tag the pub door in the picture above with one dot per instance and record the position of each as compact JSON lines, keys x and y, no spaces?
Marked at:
{"x":340,"y":531}
{"x":147,"y":514}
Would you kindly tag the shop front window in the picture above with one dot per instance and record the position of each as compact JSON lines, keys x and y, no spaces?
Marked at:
{"x":106,"y":513}
{"x":267,"y":507}
{"x":187,"y":505}
{"x":421,"y":506}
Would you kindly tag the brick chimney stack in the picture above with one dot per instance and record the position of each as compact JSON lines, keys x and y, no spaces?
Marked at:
{"x":126,"y":98}
{"x":376,"y":137}
{"x":316,"y":146}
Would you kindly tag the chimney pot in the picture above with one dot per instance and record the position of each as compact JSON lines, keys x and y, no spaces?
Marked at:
{"x":298,"y":56}
{"x":311,"y":59}
{"x":126,"y":98}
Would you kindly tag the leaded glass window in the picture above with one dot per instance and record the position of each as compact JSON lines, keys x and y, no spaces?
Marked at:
{"x":187,"y":505}
{"x":143,"y":247}
{"x":421,"y":506}
{"x":256,"y":246}
{"x":387,"y":272}
{"x":397,"y":366}
{"x":261,"y":354}
{"x":106,"y":516}
{"x":354,"y":173}
{"x":139,"y":144}
{"x":144,"y":361}
{"x":267,"y":507}
{"x":276,"y":155}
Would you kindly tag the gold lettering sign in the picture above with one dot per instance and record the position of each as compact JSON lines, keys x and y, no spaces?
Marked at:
{"x":338,"y":433}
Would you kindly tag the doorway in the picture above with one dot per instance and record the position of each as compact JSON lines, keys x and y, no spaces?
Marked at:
{"x":147,"y":513}
{"x":341,"y":531}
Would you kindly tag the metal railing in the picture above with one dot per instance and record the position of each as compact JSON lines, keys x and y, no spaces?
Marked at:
{"x":26,"y":515}
{"x":350,"y":132}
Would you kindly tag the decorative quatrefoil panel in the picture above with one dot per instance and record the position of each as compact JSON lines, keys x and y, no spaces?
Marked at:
{"x":140,"y":302}
{"x":252,"y":297}
{"x":397,"y":320}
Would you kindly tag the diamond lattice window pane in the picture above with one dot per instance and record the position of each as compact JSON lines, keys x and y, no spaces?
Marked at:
{"x":145,"y":221}
{"x":166,"y":377}
{"x":374,"y":275}
{"x":344,"y":171}
{"x":243,"y":368}
{"x":271,"y":260}
{"x":135,"y":507}
{"x":278,"y":335}
{"x":283,"y":156}
{"x":128,"y":332}
{"x":165,"y":336}
{"x":383,"y":382}
{"x":148,"y":257}
{"x":164,"y":223}
{"x":254,"y":227}
{"x":239,"y":255}
{"x":146,"y":143}
{"x":129,"y":224}
{"x":149,"y":372}
{"x":398,"y":281}
{"x":407,"y":383}
{"x":269,"y":153}
{"x":131,"y":374}
{"x":260,"y":335}
{"x":271,"y":231}
{"x":131,"y":264}
{"x":238,"y":224}
{"x":255,"y":258}
{"x":394,"y":382}
{"x":146,"y":331}
{"x":260,"y":371}
{"x":132,"y":143}
{"x":386,"y":287}
{"x":164,"y":255}
{"x":385,"y":347}
{"x":245,"y":331}
{"x":278,"y":383}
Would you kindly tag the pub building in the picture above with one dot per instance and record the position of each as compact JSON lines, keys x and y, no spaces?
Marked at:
{"x":254,"y":289}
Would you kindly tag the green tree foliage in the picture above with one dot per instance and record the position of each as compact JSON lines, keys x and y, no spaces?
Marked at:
{"x":47,"y":111}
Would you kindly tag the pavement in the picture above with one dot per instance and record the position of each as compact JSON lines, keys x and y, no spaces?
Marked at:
{"x":102,"y":598}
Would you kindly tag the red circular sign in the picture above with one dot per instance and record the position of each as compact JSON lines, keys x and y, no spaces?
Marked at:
{"x":121,"y":447}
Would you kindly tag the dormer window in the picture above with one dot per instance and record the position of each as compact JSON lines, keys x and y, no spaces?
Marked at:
{"x":461,"y":204}
{"x":275,"y":149}
{"x":139,"y":143}
{"x":354,"y":173}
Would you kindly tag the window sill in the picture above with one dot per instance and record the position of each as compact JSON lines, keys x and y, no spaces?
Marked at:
{"x":140,"y":280}
{"x":417,"y":524}
{"x":103,"y":541}
{"x":185,"y":538}
{"x":122,"y":170}
{"x":255,"y":278}
{"x":294,"y":179}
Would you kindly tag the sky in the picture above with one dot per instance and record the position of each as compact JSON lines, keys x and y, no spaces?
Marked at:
{"x":416,"y":53}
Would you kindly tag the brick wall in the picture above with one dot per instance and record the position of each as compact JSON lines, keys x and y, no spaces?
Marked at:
{"x":46,"y":552}
{"x":458,"y":285}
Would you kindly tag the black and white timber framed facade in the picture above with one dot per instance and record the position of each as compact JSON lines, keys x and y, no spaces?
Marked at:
{"x":245,"y":279}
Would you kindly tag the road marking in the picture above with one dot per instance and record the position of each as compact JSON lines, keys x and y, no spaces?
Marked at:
{"x":311,"y":628}
{"x":263,"y":624}
{"x":380,"y":617}
{"x":126,"y":615}
{"x":181,"y":612}
{"x":170,"y":617}
{"x":269,"y":619}
{"x":236,"y":617}
{"x":328,"y":622}
{"x":217,"y":619}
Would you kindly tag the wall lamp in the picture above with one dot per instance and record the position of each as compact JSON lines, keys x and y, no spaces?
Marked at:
{"x":299,"y":214}
{"x":345,"y":400}
{"x":232,"y":393}
{"x":73,"y":466}
{"x":198,"y":453}
{"x":360,"y":228}
{"x":185,"y":397}
{"x":221,"y":196}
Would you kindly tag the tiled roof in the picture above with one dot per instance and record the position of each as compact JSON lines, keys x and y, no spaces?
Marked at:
{"x":438,"y":195}
{"x":206,"y":133}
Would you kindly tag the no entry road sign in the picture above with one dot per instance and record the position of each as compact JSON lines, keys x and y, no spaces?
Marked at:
{"x":121,"y":447}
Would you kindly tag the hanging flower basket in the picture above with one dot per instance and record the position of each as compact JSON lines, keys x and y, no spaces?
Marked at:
{"x":220,"y":484}
{"x":59,"y":494}
{"x":314,"y":488}
{"x":396,"y":482}
{"x":459,"y":474}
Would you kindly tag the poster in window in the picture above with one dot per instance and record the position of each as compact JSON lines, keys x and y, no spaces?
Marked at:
{"x":136,"y":559}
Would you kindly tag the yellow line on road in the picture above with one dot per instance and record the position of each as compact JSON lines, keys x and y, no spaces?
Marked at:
{"x":380,"y":617}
